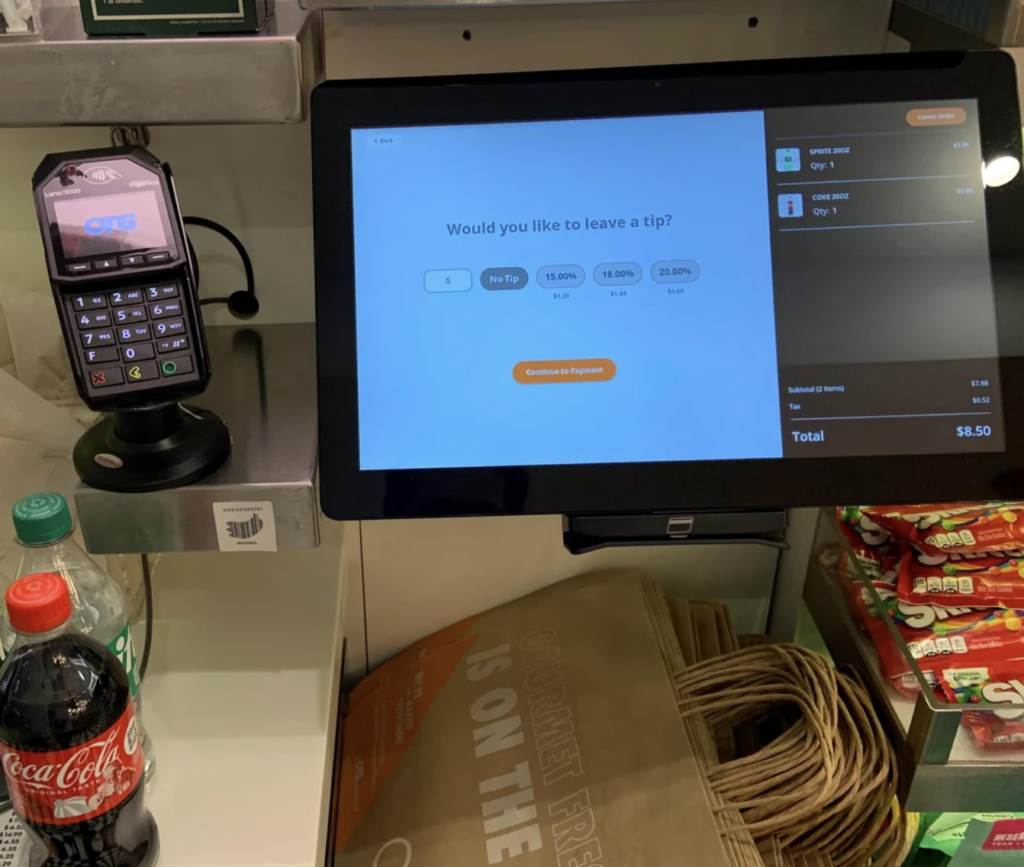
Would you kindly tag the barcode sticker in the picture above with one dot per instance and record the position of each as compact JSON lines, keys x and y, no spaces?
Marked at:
{"x":245,"y":526}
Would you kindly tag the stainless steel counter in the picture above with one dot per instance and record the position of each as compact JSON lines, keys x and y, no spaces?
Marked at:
{"x":72,"y":79}
{"x":264,"y":387}
{"x":959,"y":24}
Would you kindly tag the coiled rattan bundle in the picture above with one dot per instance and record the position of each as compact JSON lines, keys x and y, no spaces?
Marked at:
{"x":827,"y":784}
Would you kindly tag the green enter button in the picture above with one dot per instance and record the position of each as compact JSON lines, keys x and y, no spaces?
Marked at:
{"x":176,"y":366}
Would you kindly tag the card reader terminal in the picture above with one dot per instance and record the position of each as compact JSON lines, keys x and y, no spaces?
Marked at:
{"x":122,"y":277}
{"x":127,"y":297}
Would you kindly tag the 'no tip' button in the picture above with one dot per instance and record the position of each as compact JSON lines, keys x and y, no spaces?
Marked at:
{"x":569,"y":370}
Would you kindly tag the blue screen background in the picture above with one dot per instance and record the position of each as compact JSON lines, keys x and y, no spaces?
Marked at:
{"x":696,"y":371}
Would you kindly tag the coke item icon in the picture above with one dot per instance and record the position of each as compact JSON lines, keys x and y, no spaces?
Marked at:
{"x":69,"y":741}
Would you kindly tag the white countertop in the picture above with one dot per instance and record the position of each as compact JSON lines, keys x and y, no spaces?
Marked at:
{"x":240,"y":706}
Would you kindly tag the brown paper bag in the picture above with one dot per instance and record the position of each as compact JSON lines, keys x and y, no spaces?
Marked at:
{"x":543,"y":732}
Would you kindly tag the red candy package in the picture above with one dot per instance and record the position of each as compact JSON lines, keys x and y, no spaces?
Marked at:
{"x":998,"y":684}
{"x":940,"y":638}
{"x":869,"y":541}
{"x":960,"y":527}
{"x":988,"y":579}
{"x":951,"y":576}
{"x":993,"y":733}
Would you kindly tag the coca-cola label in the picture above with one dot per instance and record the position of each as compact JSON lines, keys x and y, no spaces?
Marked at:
{"x":79,"y":783}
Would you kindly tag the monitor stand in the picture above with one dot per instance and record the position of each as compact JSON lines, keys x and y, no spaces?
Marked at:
{"x":152,"y":449}
{"x":584,"y":533}
{"x":791,"y":531}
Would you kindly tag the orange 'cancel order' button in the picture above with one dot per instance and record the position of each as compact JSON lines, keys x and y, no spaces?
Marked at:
{"x":936,"y":116}
{"x":568,"y":370}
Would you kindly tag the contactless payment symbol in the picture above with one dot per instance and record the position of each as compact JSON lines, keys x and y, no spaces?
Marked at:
{"x":791,"y":205}
{"x":787,"y":159}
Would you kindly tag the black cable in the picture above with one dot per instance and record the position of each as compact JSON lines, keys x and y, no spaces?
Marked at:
{"x":195,"y":259}
{"x":242,"y":304}
{"x":147,"y":586}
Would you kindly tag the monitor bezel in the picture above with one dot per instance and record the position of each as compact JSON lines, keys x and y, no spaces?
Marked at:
{"x":348,"y":493}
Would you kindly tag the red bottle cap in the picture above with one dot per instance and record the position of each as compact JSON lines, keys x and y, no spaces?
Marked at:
{"x":38,"y":603}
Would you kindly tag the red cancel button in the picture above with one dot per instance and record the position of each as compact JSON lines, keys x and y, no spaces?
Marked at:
{"x":1007,"y":835}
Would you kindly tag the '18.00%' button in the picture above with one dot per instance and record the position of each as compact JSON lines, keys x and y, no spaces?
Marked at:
{"x":618,"y":274}
{"x":568,"y":370}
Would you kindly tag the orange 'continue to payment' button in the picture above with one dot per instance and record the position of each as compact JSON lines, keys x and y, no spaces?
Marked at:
{"x":936,"y":116}
{"x":569,"y":370}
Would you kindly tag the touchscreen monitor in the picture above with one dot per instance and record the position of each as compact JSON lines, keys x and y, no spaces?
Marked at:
{"x":698,"y":282}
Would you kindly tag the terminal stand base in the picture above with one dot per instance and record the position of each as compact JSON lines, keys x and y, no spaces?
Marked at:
{"x":584,"y":533}
{"x":152,"y":450}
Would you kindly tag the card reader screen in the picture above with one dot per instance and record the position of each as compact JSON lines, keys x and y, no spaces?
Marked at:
{"x":797,"y":282}
{"x":106,"y":225}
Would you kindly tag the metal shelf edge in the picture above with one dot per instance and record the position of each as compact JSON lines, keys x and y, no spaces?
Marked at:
{"x":264,"y":387}
{"x":69,"y":79}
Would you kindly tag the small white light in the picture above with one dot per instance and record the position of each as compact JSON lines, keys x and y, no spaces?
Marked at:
{"x":1000,"y":171}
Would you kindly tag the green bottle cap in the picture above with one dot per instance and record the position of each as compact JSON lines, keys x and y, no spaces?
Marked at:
{"x":40,"y":519}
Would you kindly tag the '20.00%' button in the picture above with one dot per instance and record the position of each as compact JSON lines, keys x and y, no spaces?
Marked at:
{"x":675,"y":271}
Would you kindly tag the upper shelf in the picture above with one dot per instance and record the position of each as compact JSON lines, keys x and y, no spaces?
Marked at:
{"x":71,"y":79}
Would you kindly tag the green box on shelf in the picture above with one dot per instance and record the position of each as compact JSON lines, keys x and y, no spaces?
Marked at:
{"x":173,"y":17}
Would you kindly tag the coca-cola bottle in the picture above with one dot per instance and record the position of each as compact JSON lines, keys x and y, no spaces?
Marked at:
{"x":69,"y":742}
{"x":43,"y":526}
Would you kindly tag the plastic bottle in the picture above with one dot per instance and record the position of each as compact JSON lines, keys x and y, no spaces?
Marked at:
{"x":43,"y":527}
{"x":69,"y":741}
